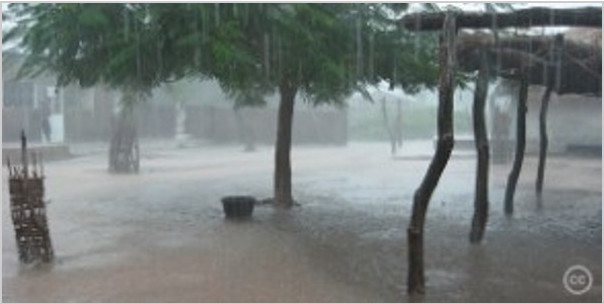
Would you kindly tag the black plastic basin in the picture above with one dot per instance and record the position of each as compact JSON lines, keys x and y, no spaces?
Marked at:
{"x":238,"y":206}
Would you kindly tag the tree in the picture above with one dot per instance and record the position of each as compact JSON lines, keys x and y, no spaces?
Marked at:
{"x":294,"y":49}
{"x":313,"y":51}
{"x":112,"y":44}
{"x":307,"y":50}
{"x":130,"y":47}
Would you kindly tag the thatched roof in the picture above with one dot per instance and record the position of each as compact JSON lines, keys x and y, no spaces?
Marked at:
{"x":579,"y":67}
{"x":577,"y":70}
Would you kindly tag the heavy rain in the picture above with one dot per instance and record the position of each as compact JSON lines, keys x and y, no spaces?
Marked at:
{"x":301,"y":152}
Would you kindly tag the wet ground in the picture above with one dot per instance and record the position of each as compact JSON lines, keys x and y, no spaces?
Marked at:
{"x":160,"y":236}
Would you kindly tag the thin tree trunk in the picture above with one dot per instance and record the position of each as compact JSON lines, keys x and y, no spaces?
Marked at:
{"x":481,"y":199}
{"x":415,"y":280}
{"x":543,"y":138}
{"x":520,"y":144}
{"x":283,"y":184}
{"x":388,"y":128}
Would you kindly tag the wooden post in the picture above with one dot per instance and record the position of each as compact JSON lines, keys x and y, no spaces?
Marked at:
{"x":543,"y":141}
{"x":481,"y":198}
{"x":555,"y":62}
{"x":415,"y":280}
{"x":520,"y":144}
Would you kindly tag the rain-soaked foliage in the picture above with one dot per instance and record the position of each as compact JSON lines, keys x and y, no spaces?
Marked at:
{"x":326,"y":50}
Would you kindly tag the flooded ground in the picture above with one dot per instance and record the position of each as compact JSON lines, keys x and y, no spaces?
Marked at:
{"x":160,"y":236}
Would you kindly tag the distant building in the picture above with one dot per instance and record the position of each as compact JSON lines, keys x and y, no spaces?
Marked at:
{"x":89,"y":114}
{"x":22,"y":102}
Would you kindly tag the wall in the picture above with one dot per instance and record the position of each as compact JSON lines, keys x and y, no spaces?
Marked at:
{"x":572,"y":120}
{"x":323,"y":125}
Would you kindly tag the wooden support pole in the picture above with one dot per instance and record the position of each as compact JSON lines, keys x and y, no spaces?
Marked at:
{"x":553,"y":81}
{"x":415,"y":280}
{"x":536,"y":16}
{"x":520,"y":144}
{"x":481,"y":198}
{"x":543,"y":140}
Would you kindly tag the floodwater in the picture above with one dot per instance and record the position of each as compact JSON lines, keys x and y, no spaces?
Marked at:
{"x":160,"y":236}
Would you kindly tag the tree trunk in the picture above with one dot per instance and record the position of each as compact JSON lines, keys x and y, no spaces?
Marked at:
{"x":124,"y":148}
{"x":520,"y":144}
{"x":481,"y":199}
{"x":543,"y":138}
{"x":415,"y":280}
{"x":283,"y":183}
{"x":391,"y":136}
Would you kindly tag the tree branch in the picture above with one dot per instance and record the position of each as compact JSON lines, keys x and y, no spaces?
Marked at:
{"x":538,"y":16}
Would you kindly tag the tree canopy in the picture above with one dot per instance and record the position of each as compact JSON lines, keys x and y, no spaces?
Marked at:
{"x":327,"y":50}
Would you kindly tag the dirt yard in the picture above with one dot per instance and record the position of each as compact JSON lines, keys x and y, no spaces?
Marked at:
{"x":160,"y":236}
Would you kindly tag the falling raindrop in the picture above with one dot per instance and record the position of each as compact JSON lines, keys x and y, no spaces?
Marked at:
{"x":416,"y":37}
{"x":495,"y":29}
{"x":552,"y":17}
{"x":196,"y":54}
{"x":530,"y":50}
{"x":246,"y":13}
{"x":197,"y":57}
{"x":138,"y":49}
{"x":217,"y":14}
{"x":555,"y":54}
{"x":279,"y":59}
{"x":204,"y":25}
{"x":359,"y":42}
{"x":371,"y":54}
{"x":126,"y":25}
{"x":160,"y":59}
{"x":548,"y":61}
{"x":299,"y":69}
{"x":394,"y":73}
{"x":266,"y":55}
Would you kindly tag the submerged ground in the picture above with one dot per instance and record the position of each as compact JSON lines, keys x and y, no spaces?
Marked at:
{"x":160,"y":236}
